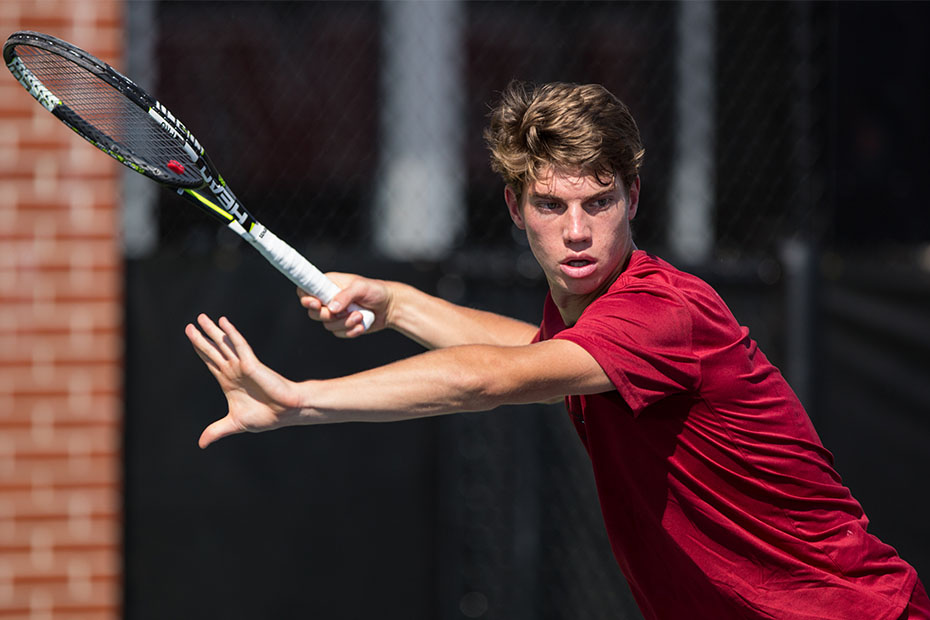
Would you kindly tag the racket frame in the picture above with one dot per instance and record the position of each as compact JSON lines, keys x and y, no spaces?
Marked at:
{"x":209,"y":193}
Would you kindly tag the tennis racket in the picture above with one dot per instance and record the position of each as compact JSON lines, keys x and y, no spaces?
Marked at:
{"x":118,"y":117}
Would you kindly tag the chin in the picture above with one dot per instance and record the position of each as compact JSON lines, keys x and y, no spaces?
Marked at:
{"x":581,"y":287}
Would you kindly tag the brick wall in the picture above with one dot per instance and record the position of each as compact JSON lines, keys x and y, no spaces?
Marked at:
{"x":60,"y":341}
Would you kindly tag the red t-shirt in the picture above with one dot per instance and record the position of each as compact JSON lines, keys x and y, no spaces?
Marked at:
{"x":719,"y":499}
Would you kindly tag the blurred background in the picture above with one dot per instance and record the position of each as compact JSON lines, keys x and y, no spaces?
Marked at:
{"x":785,"y":147}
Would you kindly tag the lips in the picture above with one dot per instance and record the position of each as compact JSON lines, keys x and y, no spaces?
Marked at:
{"x":578,"y":267}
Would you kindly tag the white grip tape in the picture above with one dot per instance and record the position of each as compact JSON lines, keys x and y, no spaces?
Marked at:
{"x":300,"y":271}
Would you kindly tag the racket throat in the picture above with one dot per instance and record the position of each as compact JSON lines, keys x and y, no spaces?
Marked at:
{"x":224,"y":196}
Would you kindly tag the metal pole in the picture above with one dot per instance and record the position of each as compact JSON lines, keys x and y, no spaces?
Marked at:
{"x":799,"y":255}
{"x":139,"y":195}
{"x":419,"y":199}
{"x":691,"y":230}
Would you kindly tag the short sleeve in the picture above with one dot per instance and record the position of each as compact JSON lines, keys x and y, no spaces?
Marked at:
{"x":642,"y":338}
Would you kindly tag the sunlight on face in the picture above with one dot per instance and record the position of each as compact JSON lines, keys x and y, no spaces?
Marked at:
{"x":579,"y":230}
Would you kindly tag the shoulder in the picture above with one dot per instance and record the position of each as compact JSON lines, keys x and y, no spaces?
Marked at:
{"x":649,"y":273}
{"x":653,"y":286}
{"x":653,"y":301}
{"x":649,"y":290}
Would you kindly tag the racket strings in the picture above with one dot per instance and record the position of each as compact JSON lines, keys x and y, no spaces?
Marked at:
{"x":134,"y":133}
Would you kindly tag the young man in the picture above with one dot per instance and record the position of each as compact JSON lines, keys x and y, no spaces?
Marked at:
{"x":718,"y":497}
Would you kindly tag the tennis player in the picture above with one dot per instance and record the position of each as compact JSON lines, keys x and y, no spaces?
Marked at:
{"x":718,"y":497}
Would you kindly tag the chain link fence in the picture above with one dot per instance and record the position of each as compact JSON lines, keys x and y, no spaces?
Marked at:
{"x":299,"y":104}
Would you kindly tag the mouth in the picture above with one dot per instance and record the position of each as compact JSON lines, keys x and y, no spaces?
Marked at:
{"x":578,"y":267}
{"x":577,"y":263}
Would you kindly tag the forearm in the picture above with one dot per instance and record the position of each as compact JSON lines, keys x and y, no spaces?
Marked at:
{"x":436,"y":323}
{"x":450,"y":380}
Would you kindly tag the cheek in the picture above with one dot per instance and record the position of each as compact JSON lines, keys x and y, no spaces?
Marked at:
{"x":538,"y":236}
{"x":538,"y":246}
{"x":534,"y":243}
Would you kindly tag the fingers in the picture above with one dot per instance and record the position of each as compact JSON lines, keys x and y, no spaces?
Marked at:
{"x":354,"y":326}
{"x":215,"y":351}
{"x":230,"y":359}
{"x":223,"y":349}
{"x":219,"y":337}
{"x":341,"y":280}
{"x":333,"y":315}
{"x":367,"y":293}
{"x":235,"y":339}
{"x":316,"y":310}
{"x":346,"y":325}
{"x":206,"y":349}
{"x":212,"y":343}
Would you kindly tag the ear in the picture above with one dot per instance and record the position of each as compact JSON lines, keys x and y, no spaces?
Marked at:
{"x":634,"y":198}
{"x":514,"y":207}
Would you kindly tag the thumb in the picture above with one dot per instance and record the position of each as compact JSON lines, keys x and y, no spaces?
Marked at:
{"x":353,"y":293}
{"x":224,"y":427}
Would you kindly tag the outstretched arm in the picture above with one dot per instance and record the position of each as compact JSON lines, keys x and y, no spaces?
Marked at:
{"x":449,"y":380}
{"x":428,"y":320}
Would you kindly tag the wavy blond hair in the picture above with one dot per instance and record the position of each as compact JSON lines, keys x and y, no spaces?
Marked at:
{"x":569,"y":126}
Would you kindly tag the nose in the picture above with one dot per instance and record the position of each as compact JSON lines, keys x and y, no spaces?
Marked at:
{"x":577,"y":228}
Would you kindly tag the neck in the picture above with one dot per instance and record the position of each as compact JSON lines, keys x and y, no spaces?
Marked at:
{"x":571,"y":306}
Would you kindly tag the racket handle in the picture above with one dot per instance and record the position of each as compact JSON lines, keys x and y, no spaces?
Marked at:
{"x":297,"y":268}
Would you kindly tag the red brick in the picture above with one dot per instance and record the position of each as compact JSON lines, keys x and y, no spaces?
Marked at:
{"x":15,"y":112}
{"x":11,"y":421}
{"x":73,"y":327}
{"x":46,"y":23}
{"x":65,"y":286}
{"x":91,"y":167}
{"x":68,"y":346}
{"x":18,"y":473}
{"x":48,"y":316}
{"x":50,"y":252}
{"x":63,"y":599}
{"x":17,"y":533}
{"x":60,"y":342}
{"x":40,"y":502}
{"x":41,"y":438}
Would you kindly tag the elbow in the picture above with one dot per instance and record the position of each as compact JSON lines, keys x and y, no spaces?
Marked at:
{"x":487,"y":376}
{"x":491,"y":378}
{"x":477,"y":390}
{"x":481,"y":382}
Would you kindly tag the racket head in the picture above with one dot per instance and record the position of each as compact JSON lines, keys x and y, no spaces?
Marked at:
{"x":105,"y":108}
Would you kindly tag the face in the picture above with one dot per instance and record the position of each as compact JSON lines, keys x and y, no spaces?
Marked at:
{"x":578,"y":230}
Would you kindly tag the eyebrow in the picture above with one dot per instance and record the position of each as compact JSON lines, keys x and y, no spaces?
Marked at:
{"x":534,"y":196}
{"x":531,"y":195}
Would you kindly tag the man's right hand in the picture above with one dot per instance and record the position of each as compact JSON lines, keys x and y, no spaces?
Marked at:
{"x":374,"y":295}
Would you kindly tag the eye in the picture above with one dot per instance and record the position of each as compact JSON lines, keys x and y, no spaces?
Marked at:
{"x":601,"y":203}
{"x":548,"y":206}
